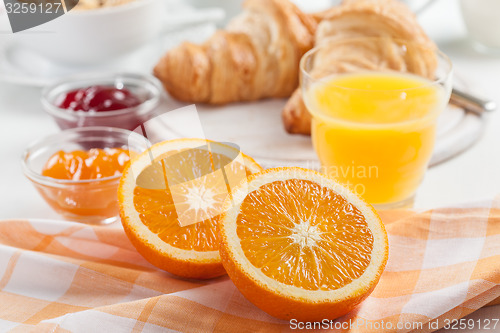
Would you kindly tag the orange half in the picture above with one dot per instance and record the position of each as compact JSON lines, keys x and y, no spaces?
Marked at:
{"x":300,"y":246}
{"x":171,"y":198}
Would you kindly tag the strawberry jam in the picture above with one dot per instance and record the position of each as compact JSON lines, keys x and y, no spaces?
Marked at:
{"x":99,"y":99}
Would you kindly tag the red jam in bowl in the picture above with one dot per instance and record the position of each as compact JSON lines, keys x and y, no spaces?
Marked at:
{"x":99,"y":99}
{"x":110,"y":105}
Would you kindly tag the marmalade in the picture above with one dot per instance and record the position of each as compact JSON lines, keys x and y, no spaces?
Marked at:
{"x":84,"y":165}
{"x":91,"y":192}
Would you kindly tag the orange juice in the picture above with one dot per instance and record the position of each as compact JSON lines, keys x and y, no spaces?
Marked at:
{"x":375,"y":132}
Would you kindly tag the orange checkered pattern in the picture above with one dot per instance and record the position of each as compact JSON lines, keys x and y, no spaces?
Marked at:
{"x":59,"y":276}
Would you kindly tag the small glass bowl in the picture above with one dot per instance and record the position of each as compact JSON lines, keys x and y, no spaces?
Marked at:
{"x":92,"y":201}
{"x":146,"y":87}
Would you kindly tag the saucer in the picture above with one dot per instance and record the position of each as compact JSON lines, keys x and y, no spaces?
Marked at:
{"x":22,"y":66}
{"x":19,"y":65}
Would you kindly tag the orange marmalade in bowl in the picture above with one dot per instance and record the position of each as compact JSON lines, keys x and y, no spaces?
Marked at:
{"x":77,"y":171}
{"x":84,"y":165}
{"x":87,"y":199}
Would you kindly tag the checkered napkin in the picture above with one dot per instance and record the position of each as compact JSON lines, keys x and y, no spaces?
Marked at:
{"x":61,"y":276}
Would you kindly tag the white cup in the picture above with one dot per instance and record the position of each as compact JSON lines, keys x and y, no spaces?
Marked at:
{"x":89,"y":37}
{"x":231,"y":7}
{"x":483,"y":23}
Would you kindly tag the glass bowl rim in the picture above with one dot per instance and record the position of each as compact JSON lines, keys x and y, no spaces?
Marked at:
{"x":54,"y":182}
{"x":145,"y":107}
{"x":401,"y":42}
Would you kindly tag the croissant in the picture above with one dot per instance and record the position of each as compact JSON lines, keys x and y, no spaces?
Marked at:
{"x":387,"y":19}
{"x":256,"y":56}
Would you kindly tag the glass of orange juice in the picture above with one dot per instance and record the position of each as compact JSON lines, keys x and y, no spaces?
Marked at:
{"x":374,"y":104}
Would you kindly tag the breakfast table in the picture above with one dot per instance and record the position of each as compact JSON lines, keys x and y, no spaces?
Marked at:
{"x":468,"y":177}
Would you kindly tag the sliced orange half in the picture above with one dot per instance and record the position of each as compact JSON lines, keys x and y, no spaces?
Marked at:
{"x":301,"y":246}
{"x":170,"y":200}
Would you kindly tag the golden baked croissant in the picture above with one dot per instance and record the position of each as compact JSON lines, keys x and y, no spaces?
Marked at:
{"x":256,"y":56}
{"x":387,"y":19}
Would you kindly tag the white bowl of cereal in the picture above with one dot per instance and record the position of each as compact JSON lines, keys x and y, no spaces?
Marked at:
{"x":96,"y":31}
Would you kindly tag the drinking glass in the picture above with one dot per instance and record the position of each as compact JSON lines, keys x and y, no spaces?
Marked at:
{"x":374,"y":123}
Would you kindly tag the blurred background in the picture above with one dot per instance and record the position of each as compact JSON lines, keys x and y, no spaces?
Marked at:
{"x":457,"y":26}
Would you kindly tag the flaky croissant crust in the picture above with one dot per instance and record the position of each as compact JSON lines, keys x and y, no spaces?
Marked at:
{"x":387,"y":19}
{"x":255,"y":57}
